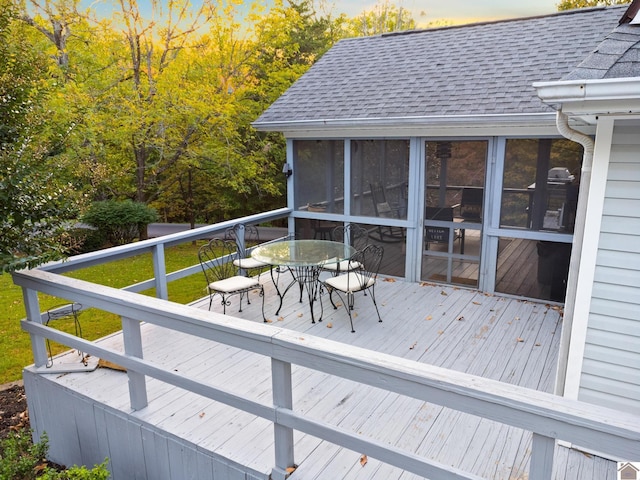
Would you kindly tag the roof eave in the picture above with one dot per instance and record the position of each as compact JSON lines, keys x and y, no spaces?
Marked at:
{"x":594,"y":97}
{"x":396,"y":123}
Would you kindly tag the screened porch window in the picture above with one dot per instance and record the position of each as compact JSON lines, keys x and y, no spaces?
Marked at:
{"x":379,"y":178}
{"x":318,"y":167}
{"x":540,"y":186}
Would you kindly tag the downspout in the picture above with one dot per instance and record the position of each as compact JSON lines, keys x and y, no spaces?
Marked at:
{"x":562,"y":123}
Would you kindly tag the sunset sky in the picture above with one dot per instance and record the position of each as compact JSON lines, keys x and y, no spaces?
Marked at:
{"x":458,"y":11}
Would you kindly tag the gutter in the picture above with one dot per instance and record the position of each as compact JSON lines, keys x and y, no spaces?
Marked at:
{"x":562,"y":122}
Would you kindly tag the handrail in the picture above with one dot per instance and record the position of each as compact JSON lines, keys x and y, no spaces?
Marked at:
{"x":131,"y":249}
{"x":549,"y":417}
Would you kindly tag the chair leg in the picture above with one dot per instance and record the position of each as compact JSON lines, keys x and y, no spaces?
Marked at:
{"x":373,"y":297}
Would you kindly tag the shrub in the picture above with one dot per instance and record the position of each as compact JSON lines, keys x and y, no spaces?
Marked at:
{"x":20,"y":459}
{"x":120,"y":221}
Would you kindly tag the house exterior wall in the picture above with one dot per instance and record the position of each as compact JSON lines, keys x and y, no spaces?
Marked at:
{"x":610,"y":372}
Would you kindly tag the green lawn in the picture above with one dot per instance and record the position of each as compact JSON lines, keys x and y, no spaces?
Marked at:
{"x":14,"y":343}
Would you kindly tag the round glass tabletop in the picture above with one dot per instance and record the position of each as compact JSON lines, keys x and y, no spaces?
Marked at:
{"x":303,"y":253}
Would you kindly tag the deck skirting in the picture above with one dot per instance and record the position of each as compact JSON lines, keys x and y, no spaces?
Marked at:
{"x":78,"y":427}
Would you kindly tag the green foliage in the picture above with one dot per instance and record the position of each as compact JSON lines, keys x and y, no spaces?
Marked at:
{"x":120,"y":221}
{"x":571,"y":4}
{"x":21,"y":459}
{"x":35,"y":201}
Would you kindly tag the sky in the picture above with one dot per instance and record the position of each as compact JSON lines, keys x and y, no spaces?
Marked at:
{"x":458,"y":11}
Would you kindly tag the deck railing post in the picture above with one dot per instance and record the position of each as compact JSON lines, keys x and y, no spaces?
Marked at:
{"x":282,"y":398}
{"x":132,"y":337}
{"x":160,"y":272}
{"x":38,"y":345}
{"x":542,"y":452}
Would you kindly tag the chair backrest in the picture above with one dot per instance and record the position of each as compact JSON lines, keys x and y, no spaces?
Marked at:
{"x":471,"y":203}
{"x":243,"y":236}
{"x":351,"y":234}
{"x":216,"y":259}
{"x":370,"y":258}
{"x":435,"y":234}
{"x":379,"y":197}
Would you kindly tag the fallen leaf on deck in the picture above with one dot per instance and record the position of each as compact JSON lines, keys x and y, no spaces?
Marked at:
{"x":429,"y":317}
{"x":460,"y":318}
{"x":291,"y":469}
{"x":440,"y":332}
{"x":476,"y":303}
{"x":427,"y":284}
{"x":517,"y":318}
{"x":269,"y":320}
{"x":413,"y":346}
{"x":329,"y":325}
{"x":537,"y":344}
{"x":363,"y":460}
{"x":280,"y":318}
{"x":520,"y":339}
{"x":299,"y":315}
{"x":113,"y":366}
{"x":391,"y":280}
{"x":202,"y":415}
{"x":443,"y":293}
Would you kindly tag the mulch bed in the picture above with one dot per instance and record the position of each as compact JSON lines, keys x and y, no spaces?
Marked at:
{"x":13,"y":409}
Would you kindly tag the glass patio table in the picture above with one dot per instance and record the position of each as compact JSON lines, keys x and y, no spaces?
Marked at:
{"x":304,"y":259}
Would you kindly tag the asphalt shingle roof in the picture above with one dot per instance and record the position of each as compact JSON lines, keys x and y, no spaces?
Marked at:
{"x":618,"y":56}
{"x":480,"y":69}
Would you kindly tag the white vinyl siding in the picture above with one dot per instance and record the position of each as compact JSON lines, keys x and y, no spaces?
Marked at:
{"x":611,"y":367}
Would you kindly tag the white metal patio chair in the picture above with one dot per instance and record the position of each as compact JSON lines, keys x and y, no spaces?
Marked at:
{"x":245,"y":236}
{"x":216,"y":258}
{"x":361,"y":280}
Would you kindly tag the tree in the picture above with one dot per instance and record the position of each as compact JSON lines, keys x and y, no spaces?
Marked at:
{"x":384,"y":17}
{"x":571,"y":4}
{"x":35,"y":203}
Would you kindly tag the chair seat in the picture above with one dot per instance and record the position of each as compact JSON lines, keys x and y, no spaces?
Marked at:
{"x":343,"y":266}
{"x":350,"y":282}
{"x":236,"y":283}
{"x":249,"y":263}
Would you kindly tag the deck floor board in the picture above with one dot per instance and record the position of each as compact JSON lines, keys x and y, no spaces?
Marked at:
{"x":451,"y":327}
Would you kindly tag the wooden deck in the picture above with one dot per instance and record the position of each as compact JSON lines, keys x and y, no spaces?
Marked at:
{"x":513,"y":341}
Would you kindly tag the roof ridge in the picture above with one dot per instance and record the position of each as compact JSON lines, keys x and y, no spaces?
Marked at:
{"x":504,"y":20}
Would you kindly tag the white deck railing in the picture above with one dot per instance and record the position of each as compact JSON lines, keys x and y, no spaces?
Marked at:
{"x":549,"y":417}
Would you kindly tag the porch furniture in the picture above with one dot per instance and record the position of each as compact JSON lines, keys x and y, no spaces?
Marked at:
{"x":360,"y":280}
{"x":217,"y":262}
{"x":304,"y":259}
{"x":67,"y":311}
{"x":351,"y":234}
{"x":440,"y":235}
{"x":321,"y":229}
{"x":383,"y":208}
{"x":470,"y":206}
{"x":244,"y":236}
